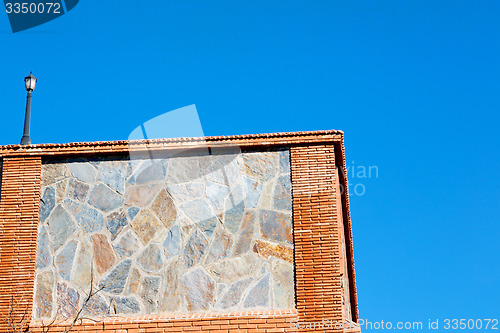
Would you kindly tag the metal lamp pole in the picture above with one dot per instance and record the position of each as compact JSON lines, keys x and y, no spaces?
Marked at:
{"x":30,"y":82}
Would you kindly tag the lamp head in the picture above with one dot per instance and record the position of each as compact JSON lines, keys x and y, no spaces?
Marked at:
{"x":30,"y":82}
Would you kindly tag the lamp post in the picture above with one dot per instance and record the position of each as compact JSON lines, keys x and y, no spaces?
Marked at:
{"x":29,"y":83}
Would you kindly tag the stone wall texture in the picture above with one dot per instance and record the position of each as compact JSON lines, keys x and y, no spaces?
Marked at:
{"x":180,"y":234}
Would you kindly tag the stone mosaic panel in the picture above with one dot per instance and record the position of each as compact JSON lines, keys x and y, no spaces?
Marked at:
{"x":174,"y":234}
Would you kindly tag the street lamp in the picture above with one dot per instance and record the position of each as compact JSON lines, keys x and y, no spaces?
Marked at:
{"x":29,"y":83}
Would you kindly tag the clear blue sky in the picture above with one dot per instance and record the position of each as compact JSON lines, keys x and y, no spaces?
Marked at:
{"x":415,"y":85}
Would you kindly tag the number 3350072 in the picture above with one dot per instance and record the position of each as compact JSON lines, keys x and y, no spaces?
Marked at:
{"x":33,"y":8}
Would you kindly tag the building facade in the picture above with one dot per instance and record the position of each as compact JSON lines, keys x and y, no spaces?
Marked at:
{"x":246,"y":233}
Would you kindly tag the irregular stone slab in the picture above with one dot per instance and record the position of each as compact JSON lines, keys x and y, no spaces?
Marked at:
{"x":61,"y":226}
{"x":283,"y":193}
{"x":183,"y":170}
{"x":115,"y":222}
{"x":164,"y":208}
{"x":266,"y":196}
{"x":47,"y":203}
{"x":208,"y":226}
{"x":104,"y":198}
{"x":245,"y":237}
{"x":114,"y":282}
{"x":260,"y":166}
{"x":132,"y":212}
{"x":252,"y":190}
{"x":266,"y":250}
{"x":43,"y":294}
{"x":127,"y":305}
{"x":284,"y":161}
{"x":61,"y":190}
{"x":186,"y":192}
{"x":283,"y":285}
{"x":151,"y":170}
{"x":197,"y":210}
{"x":170,"y":300}
{"x":83,"y":171}
{"x":81,"y":276}
{"x":103,"y":253}
{"x":195,"y":248}
{"x":232,"y":296}
{"x":96,"y":307}
{"x":141,"y":195}
{"x":77,"y":190}
{"x":67,"y":300}
{"x":146,"y":225}
{"x":127,"y":244}
{"x":233,"y":217}
{"x":53,"y":172}
{"x":172,"y":243}
{"x":150,"y":287}
{"x":276,"y":226}
{"x":64,"y":260}
{"x":258,"y":296}
{"x":134,"y":283}
{"x":236,"y":268}
{"x":43,"y":255}
{"x":88,"y":218}
{"x":113,"y":174}
{"x":220,"y":248}
{"x":150,"y":258}
{"x":199,"y":289}
{"x":216,"y":195}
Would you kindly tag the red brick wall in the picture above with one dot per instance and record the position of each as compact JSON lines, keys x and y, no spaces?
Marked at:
{"x":19,"y":209}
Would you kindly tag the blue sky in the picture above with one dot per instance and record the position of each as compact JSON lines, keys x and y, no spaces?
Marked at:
{"x":413,"y":84}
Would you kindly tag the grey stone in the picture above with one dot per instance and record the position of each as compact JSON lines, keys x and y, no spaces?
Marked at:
{"x":115,"y":222}
{"x":183,"y":170}
{"x":208,"y":226}
{"x":233,"y":217}
{"x":236,"y":268}
{"x":43,"y":294}
{"x":113,"y":174}
{"x":199,"y":289}
{"x":43,"y":255}
{"x":77,"y":190}
{"x":127,"y":305}
{"x":172,"y":243}
{"x":258,"y":296}
{"x":197,"y":210}
{"x":194,"y":249}
{"x":67,"y":300}
{"x":150,"y":258}
{"x":127,"y":244}
{"x":61,"y":190}
{"x":141,"y":195}
{"x":64,"y":260}
{"x":96,"y":307}
{"x":83,"y":171}
{"x":284,"y":161}
{"x":47,"y":203}
{"x":245,"y":237}
{"x":53,"y":172}
{"x":134,"y":282}
{"x":232,"y":296}
{"x":104,"y":198}
{"x":283,"y":285}
{"x":146,"y":226}
{"x":152,"y":170}
{"x":276,"y":226}
{"x":171,"y":288}
{"x":61,"y":226}
{"x":81,"y":276}
{"x":283,"y":193}
{"x":103,"y":253}
{"x":132,"y":212}
{"x":253,"y":190}
{"x":150,"y":287}
{"x":88,"y":218}
{"x":186,"y":192}
{"x":216,"y":195}
{"x":220,"y":248}
{"x":261,"y":166}
{"x":114,"y":282}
